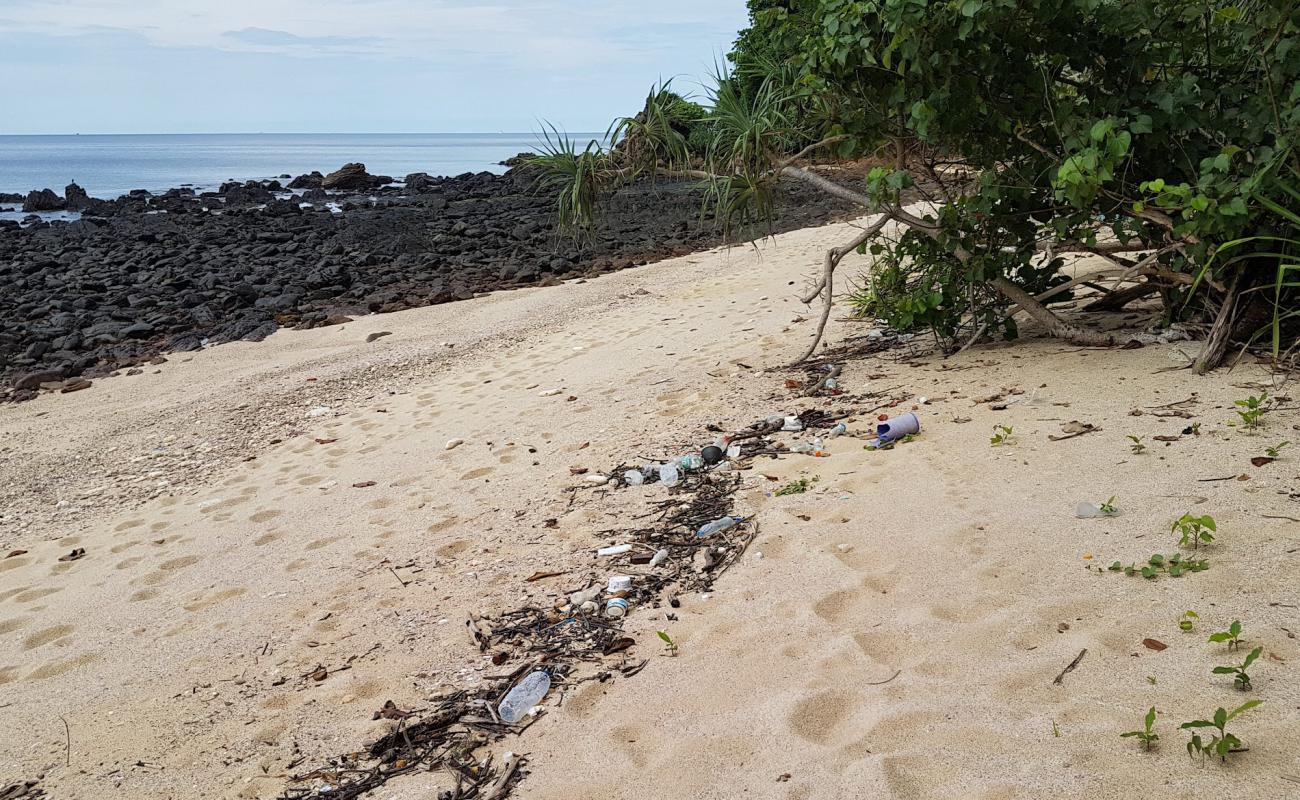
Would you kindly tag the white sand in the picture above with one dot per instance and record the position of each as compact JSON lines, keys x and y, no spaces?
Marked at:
{"x":177,"y":649}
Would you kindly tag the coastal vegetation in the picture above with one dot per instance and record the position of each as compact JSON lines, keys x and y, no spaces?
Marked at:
{"x":1157,"y":136}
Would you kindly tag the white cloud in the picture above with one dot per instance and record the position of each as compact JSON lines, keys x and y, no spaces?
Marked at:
{"x":570,"y":33}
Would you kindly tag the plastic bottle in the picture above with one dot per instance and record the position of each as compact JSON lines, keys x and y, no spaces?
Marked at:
{"x":659,"y":557}
{"x":691,"y":462}
{"x":616,"y":607}
{"x":526,"y":694}
{"x":634,"y":477}
{"x":614,"y":550}
{"x":802,"y":447}
{"x":669,"y":475}
{"x":792,"y":424}
{"x":584,"y":596}
{"x":717,"y":526}
{"x":831,"y":383}
{"x":839,"y":430}
{"x":1086,"y":510}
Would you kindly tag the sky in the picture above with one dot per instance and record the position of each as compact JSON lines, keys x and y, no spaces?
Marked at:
{"x":346,"y":66}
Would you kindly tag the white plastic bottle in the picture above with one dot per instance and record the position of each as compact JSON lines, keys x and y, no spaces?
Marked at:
{"x":717,"y":526}
{"x":526,"y":694}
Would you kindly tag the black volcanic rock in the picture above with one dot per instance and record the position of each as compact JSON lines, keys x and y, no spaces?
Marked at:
{"x":43,"y":200}
{"x":142,"y":275}
{"x":75,"y":197}
{"x":353,"y":177}
{"x":309,"y":181}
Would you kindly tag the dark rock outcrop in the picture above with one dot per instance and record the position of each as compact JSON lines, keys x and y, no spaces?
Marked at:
{"x":75,"y":197}
{"x":144,"y":274}
{"x":353,"y":177}
{"x":43,"y":200}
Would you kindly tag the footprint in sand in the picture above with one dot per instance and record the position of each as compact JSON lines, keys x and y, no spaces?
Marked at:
{"x":818,"y":718}
{"x":265,"y":515}
{"x":47,"y":636}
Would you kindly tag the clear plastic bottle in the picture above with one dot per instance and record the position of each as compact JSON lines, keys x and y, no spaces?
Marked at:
{"x":634,"y":477}
{"x":691,"y":462}
{"x":792,"y":424}
{"x":526,"y":694}
{"x":669,"y":475}
{"x":839,"y":430}
{"x":717,"y":526}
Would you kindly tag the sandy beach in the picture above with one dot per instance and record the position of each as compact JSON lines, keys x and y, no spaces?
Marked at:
{"x":254,"y":512}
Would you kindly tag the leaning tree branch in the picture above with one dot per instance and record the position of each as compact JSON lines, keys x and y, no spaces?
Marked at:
{"x":826,"y":286}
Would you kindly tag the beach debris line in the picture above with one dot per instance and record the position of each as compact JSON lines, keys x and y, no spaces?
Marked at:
{"x":676,"y":550}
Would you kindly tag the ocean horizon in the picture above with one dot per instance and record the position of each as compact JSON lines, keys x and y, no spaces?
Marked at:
{"x":111,"y":165}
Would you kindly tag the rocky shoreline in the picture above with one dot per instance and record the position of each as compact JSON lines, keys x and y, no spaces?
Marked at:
{"x":145,"y":275}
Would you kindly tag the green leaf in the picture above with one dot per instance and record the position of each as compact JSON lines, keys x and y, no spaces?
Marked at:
{"x":1246,"y":706}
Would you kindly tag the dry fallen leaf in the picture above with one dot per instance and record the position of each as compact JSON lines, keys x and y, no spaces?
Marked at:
{"x":16,"y":553}
{"x":1260,"y":461}
{"x":577,"y":470}
{"x":619,"y":645}
{"x":1154,"y":644}
{"x":319,"y":674}
{"x":363,"y":485}
{"x":326,"y":441}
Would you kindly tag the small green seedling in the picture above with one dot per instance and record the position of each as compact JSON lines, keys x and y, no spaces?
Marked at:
{"x":1187,"y":622}
{"x":796,"y":487}
{"x":1108,"y":508}
{"x":1238,"y":671}
{"x":1151,"y":679}
{"x":1275,"y":449}
{"x":1137,"y":447}
{"x":1232,"y":635}
{"x":1056,"y":732}
{"x":1221,"y":743}
{"x":1001,"y":435}
{"x":669,"y":645}
{"x":1174,"y":566}
{"x":1146,"y":736}
{"x":1194,"y":429}
{"x":1251,"y":410}
{"x":1194,"y":530}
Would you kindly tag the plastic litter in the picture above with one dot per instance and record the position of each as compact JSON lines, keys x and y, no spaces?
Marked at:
{"x":526,"y":694}
{"x":1087,"y":510}
{"x":614,"y":550}
{"x":619,"y":584}
{"x":896,"y":428}
{"x":691,"y":462}
{"x":717,"y":526}
{"x":669,"y":475}
{"x":616,"y":607}
{"x":634,"y":477}
{"x":659,"y":557}
{"x":733,"y":451}
{"x":712,"y":454}
{"x":839,"y":430}
{"x":792,"y":424}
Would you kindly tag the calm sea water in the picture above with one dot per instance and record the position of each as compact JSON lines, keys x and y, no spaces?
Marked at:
{"x":109,"y":166}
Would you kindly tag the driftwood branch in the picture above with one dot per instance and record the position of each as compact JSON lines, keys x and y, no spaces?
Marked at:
{"x":825,"y":286}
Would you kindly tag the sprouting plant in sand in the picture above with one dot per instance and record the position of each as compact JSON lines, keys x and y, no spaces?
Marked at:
{"x":1273,"y":451}
{"x":1232,"y":635}
{"x":1221,"y":742}
{"x":1147,"y":736}
{"x":1194,"y":530}
{"x":1001,"y":435}
{"x":670,"y":647}
{"x":1174,"y":566}
{"x":1252,"y":411}
{"x":797,"y":487}
{"x":1187,"y":622}
{"x":1238,"y":671}
{"x":1108,"y":508}
{"x":1137,"y":447}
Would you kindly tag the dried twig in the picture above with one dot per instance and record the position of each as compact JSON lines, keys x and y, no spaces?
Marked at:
{"x":1070,"y":667}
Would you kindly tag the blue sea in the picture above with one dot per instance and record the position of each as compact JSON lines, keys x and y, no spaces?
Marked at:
{"x":108,"y":166}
